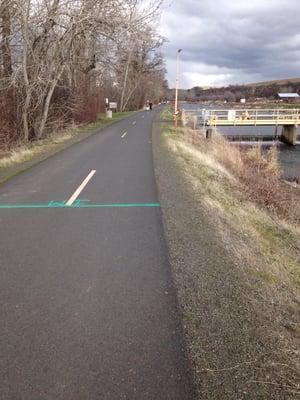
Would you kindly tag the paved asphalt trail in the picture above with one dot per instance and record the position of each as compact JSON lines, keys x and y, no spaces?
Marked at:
{"x":87,"y":306}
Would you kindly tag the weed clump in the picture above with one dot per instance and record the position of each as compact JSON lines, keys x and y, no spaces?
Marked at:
{"x":261,"y":178}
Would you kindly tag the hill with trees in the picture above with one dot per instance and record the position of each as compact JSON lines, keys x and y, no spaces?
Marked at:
{"x":233,"y":93}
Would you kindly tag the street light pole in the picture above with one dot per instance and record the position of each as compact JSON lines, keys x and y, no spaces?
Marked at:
{"x":177,"y":82}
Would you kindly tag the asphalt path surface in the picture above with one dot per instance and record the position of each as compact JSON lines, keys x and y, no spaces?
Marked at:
{"x":87,"y":304}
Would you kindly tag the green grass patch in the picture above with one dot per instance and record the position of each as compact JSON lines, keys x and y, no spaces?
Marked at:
{"x":168,"y":129}
{"x":188,"y":316}
{"x":167,"y":114}
{"x":266,"y":276}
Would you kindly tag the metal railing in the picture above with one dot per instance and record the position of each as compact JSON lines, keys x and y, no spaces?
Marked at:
{"x":240,"y":117}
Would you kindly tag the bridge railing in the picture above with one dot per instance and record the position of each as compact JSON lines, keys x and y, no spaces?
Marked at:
{"x":241,"y":117}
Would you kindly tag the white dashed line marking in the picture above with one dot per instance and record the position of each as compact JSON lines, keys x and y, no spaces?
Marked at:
{"x":124,"y":134}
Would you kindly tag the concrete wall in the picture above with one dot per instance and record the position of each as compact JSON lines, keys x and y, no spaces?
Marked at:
{"x":289,"y":134}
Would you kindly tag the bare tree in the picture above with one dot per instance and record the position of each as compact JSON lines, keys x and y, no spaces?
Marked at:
{"x":65,"y":49}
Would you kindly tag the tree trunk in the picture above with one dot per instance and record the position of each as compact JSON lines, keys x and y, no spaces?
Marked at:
{"x":25,"y":111}
{"x":131,"y":92}
{"x":25,"y":117}
{"x":125,"y":81}
{"x":6,"y":34}
{"x":47,"y":104}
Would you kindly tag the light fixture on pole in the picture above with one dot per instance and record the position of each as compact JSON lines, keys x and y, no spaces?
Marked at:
{"x":177,"y":82}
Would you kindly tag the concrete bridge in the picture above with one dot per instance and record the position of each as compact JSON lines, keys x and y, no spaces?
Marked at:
{"x":289,"y":119}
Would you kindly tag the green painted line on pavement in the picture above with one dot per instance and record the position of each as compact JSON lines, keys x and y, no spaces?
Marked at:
{"x":117,"y":205}
{"x":12,"y":206}
{"x":77,"y":204}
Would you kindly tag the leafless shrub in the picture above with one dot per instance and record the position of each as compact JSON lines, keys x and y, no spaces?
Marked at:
{"x":261,"y":178}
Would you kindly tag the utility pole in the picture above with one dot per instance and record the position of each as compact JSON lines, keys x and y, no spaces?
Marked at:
{"x":177,"y":82}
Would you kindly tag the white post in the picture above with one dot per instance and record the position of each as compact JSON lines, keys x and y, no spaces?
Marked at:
{"x":177,"y":82}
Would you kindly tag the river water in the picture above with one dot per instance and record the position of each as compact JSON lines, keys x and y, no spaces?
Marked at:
{"x":289,"y":155}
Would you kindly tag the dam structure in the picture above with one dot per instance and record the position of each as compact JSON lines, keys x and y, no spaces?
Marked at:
{"x":207,"y":119}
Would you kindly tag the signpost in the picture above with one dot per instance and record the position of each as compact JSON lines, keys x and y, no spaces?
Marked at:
{"x":110,"y":106}
{"x":113,"y":106}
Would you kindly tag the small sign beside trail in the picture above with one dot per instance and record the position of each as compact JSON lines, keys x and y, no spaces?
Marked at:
{"x":113,"y":105}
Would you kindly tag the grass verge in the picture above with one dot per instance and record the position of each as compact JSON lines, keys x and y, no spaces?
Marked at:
{"x":167,"y":114}
{"x":22,"y":156}
{"x":235,"y":255}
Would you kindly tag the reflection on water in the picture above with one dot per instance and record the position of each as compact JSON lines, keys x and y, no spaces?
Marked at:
{"x":290,"y":161}
{"x":258,"y":131}
{"x":289,"y":155}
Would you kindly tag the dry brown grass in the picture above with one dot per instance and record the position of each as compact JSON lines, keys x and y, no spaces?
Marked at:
{"x":257,"y":171}
{"x":258,"y":214}
{"x":260,"y":176}
{"x":255,"y":216}
{"x":23,"y":153}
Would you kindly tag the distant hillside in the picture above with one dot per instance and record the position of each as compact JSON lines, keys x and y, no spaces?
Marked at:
{"x":280,"y":82}
{"x":251,"y":92}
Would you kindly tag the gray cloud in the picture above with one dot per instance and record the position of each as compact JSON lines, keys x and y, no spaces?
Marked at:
{"x":232,"y":41}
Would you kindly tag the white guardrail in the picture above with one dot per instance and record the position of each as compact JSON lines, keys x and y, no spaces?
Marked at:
{"x":233,"y":117}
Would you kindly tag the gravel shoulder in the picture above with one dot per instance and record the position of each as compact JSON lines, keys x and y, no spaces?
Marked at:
{"x":238,"y":347}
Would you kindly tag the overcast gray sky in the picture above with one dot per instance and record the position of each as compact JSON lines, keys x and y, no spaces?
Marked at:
{"x":232,"y":41}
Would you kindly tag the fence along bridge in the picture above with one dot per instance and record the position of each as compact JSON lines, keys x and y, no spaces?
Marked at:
{"x":289,"y":119}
